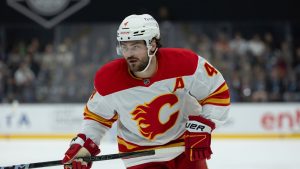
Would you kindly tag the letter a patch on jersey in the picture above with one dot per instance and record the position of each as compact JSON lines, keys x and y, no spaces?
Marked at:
{"x":179,"y":84}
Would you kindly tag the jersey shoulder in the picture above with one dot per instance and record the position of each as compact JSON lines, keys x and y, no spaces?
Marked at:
{"x":172,"y":62}
{"x":177,"y":61}
{"x":108,"y":77}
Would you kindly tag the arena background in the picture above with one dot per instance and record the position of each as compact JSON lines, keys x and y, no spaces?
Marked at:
{"x":48,"y":59}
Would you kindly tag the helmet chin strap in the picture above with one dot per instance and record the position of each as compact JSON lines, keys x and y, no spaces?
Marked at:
{"x":150,"y":59}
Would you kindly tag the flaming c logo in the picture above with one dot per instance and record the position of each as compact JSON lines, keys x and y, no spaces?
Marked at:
{"x":147,"y":116}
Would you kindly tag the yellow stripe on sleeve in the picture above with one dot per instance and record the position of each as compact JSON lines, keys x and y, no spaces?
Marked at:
{"x":107,"y":122}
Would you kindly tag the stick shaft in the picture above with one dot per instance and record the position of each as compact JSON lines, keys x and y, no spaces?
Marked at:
{"x":88,"y":159}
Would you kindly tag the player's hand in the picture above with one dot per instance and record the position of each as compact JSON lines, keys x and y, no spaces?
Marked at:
{"x":78,"y":164}
{"x":198,"y":138}
{"x":80,"y":146}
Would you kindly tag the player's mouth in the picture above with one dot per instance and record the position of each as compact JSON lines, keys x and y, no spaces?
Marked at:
{"x":132,"y":61}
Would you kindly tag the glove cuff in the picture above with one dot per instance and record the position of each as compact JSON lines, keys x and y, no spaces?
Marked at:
{"x":91,"y":147}
{"x":203,"y":120}
{"x":87,"y":143}
{"x":79,"y":139}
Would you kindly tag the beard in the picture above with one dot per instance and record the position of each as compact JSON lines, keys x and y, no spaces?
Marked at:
{"x":137,"y":65}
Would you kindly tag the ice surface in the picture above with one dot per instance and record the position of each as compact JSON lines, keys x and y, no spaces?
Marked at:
{"x":228,"y":154}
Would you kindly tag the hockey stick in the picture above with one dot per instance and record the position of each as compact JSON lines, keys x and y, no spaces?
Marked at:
{"x":97,"y":158}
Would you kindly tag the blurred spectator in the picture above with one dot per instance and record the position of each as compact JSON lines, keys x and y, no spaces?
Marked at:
{"x":221,"y":46}
{"x":65,"y":57}
{"x":256,"y":46}
{"x":238,"y":45}
{"x":235,"y":86}
{"x":275,"y":85}
{"x":48,"y":58}
{"x":33,"y":63}
{"x":259,"y":85}
{"x":47,"y":72}
{"x":204,"y":47}
{"x":24,"y":78}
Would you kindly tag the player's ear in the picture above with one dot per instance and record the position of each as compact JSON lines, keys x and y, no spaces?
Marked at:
{"x":153,"y":45}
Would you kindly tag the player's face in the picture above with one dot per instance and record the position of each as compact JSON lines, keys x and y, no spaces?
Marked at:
{"x":136,"y":55}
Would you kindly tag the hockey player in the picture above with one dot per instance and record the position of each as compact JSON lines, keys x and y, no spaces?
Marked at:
{"x":159,"y":97}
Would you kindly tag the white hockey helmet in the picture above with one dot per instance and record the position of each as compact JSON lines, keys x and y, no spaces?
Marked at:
{"x":138,"y":27}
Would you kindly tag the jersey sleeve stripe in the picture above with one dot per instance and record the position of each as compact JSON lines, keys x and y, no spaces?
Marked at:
{"x":219,"y":102}
{"x":126,"y":145}
{"x":223,"y":87}
{"x":219,"y":97}
{"x":92,"y":116}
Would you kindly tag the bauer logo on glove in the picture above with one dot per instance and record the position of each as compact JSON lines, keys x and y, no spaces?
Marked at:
{"x":195,"y":126}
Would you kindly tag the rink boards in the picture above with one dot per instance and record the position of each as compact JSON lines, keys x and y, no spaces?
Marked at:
{"x":62,"y":121}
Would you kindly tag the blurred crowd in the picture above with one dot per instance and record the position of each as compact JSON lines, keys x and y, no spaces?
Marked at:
{"x":257,"y":67}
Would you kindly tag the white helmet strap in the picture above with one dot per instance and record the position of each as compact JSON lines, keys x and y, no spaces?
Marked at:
{"x":150,"y":59}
